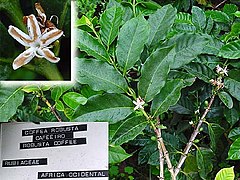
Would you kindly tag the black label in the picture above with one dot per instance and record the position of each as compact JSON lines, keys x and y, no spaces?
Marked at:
{"x":54,"y":130}
{"x":72,"y":174}
{"x":53,"y":143}
{"x":54,"y":136}
{"x":24,"y":162}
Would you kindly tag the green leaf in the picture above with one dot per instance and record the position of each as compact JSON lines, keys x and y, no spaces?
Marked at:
{"x":91,"y":45}
{"x":232,"y":116}
{"x":187,"y":48}
{"x":160,"y":24}
{"x":237,"y":13}
{"x":190,"y":164}
{"x":234,"y":133}
{"x":186,"y":77}
{"x":168,"y":96}
{"x":185,"y":28}
{"x":146,"y":152}
{"x":10,"y":99}
{"x":73,"y":99}
{"x":230,"y":9}
{"x":154,"y":73}
{"x":215,"y":132}
{"x":233,"y":87}
{"x":201,"y":71}
{"x":183,"y":17}
{"x":59,"y":105}
{"x":226,"y":99}
{"x":57,"y":91}
{"x":110,"y":22}
{"x":132,"y":37}
{"x":198,"y":18}
{"x":225,"y":174}
{"x":230,"y":50}
{"x":117,"y":154}
{"x":128,"y":130}
{"x":204,"y":161}
{"x":108,"y":107}
{"x":31,"y":88}
{"x":234,"y":151}
{"x":218,"y":16}
{"x":100,"y":76}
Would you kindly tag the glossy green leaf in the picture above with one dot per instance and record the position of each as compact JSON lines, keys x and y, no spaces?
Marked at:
{"x":201,"y":71}
{"x":108,"y":107}
{"x":160,"y":24}
{"x":187,"y":48}
{"x":100,"y":76}
{"x":168,"y":96}
{"x":198,"y":18}
{"x":230,"y":9}
{"x":10,"y":99}
{"x":237,"y":13}
{"x":128,"y":130}
{"x":183,"y":17}
{"x":59,"y":105}
{"x":91,"y":45}
{"x":154,"y":73}
{"x":110,"y":22}
{"x":226,"y":99}
{"x":225,"y":174}
{"x":215,"y":132}
{"x":232,"y":116}
{"x":233,"y":87}
{"x":231,"y":50}
{"x":218,"y":16}
{"x":73,"y":99}
{"x":117,"y":154}
{"x":31,"y":88}
{"x":234,"y":133}
{"x":84,"y":22}
{"x":57,"y":91}
{"x":204,"y":161}
{"x":132,"y":37}
{"x":234,"y":151}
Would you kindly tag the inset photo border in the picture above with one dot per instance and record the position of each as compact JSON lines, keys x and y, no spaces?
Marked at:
{"x":35,"y":42}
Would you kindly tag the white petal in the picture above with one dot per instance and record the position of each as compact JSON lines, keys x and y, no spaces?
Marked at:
{"x":50,"y":37}
{"x":33,"y":27}
{"x":40,"y":12}
{"x":20,"y":36}
{"x":23,"y":58}
{"x":49,"y":55}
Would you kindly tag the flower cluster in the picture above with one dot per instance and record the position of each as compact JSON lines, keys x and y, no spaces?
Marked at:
{"x":38,"y":40}
{"x":219,"y":81}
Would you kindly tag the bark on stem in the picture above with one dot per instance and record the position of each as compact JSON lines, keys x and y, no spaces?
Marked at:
{"x":164,"y":151}
{"x":53,"y":110}
{"x":192,"y":138}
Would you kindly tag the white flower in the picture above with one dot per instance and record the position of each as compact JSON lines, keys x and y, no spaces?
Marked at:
{"x":38,"y":44}
{"x":139,"y":103}
{"x":225,"y":71}
{"x":222,"y":71}
{"x":218,"y":69}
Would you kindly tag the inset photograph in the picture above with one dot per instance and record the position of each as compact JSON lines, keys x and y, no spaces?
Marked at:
{"x":35,"y":40}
